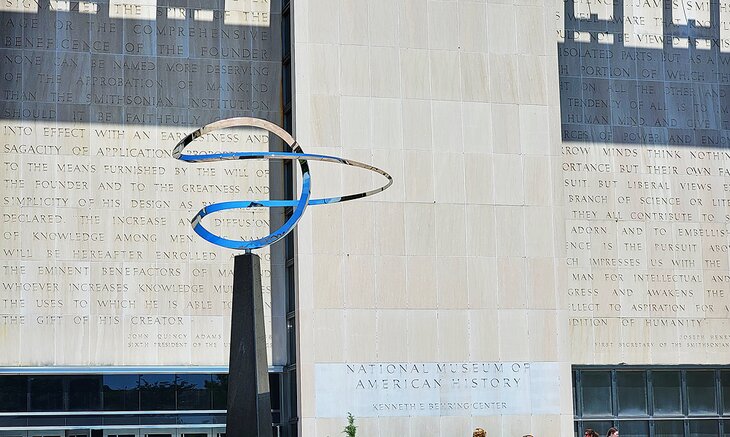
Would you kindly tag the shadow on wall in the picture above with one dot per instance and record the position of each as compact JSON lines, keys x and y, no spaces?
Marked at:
{"x":177,"y":62}
{"x":644,"y":73}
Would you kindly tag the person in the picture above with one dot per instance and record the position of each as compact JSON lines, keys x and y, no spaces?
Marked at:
{"x":480,"y":433}
{"x":612,"y":432}
{"x":590,"y":433}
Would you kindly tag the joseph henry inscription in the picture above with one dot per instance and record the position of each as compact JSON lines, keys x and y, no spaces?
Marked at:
{"x":645,"y":109}
{"x":99,"y":263}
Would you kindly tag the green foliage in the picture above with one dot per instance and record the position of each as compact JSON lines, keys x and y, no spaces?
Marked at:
{"x":350,"y":429}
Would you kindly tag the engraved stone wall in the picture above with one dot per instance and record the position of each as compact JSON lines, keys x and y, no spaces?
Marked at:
{"x":645,"y":100}
{"x":99,"y":262}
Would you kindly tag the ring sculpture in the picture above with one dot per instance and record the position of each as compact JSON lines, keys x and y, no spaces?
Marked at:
{"x":296,"y":154}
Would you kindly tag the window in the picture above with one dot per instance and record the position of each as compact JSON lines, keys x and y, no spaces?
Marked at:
{"x":192,"y":392}
{"x":46,"y":393}
{"x":653,"y":401}
{"x":13,"y":396}
{"x":121,"y":392}
{"x":157,"y":392}
{"x":84,"y":392}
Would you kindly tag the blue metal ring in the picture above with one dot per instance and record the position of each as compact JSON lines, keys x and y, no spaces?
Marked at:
{"x":300,"y":204}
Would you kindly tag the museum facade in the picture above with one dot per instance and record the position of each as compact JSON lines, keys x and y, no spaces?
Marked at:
{"x":552,"y":256}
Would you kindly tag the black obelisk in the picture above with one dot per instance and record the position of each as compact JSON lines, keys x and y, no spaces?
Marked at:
{"x":249,"y":398}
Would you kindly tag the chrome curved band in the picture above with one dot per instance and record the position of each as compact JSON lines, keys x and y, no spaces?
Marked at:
{"x":299,"y":204}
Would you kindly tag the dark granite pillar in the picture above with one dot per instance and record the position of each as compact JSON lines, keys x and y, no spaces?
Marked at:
{"x":249,"y":399}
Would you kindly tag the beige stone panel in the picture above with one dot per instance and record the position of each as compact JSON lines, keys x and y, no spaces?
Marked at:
{"x":390,"y":274}
{"x":453,"y":292}
{"x":512,"y":291}
{"x":329,"y":336}
{"x":482,"y":281}
{"x":327,"y":221}
{"x":513,"y":330}
{"x":532,"y":89}
{"x":419,"y":177}
{"x":541,"y":288}
{"x":449,"y":177}
{"x":508,"y":179}
{"x":395,"y":426}
{"x":477,"y":127}
{"x":387,"y":128}
{"x":447,"y":136}
{"x":33,"y":355}
{"x":455,"y":425}
{"x":479,"y":183}
{"x":392,"y":336}
{"x":355,"y":123}
{"x":383,"y":23}
{"x":539,"y":239}
{"x":450,"y":230}
{"x":384,"y":66}
{"x":501,"y":23}
{"x":321,"y":31}
{"x":539,"y":178}
{"x":421,"y":290}
{"x":325,"y":121}
{"x":10,"y":335}
{"x":473,"y":26}
{"x":305,"y":375}
{"x":391,"y":160}
{"x":359,"y":281}
{"x":445,"y":74}
{"x":360,"y":328}
{"x":358,"y":219}
{"x":390,"y":229}
{"x":452,"y":324}
{"x":506,"y":134}
{"x":412,"y":16}
{"x":543,"y":335}
{"x":205,"y":348}
{"x":511,"y":236}
{"x":355,"y":70}
{"x":474,"y":77}
{"x":545,"y":425}
{"x":307,"y":425}
{"x":420,"y":229}
{"x":534,"y":41}
{"x":483,"y":335}
{"x":353,"y":25}
{"x":328,"y":281}
{"x":422,"y":335}
{"x":415,"y":78}
{"x":417,"y":130}
{"x":503,"y":78}
{"x":480,"y":230}
{"x":423,"y":426}
{"x":516,"y":425}
{"x":443,"y":25}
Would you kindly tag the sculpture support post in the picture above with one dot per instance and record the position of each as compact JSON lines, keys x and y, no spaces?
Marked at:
{"x":249,"y":398}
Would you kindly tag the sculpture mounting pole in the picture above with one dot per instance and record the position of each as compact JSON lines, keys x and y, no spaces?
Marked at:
{"x":249,"y":398}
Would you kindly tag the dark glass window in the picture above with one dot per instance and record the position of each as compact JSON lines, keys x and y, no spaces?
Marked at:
{"x":84,"y":392}
{"x":633,"y":429}
{"x":121,"y":392}
{"x":46,"y":393}
{"x":725,"y":393}
{"x":703,"y":428}
{"x":596,"y":393}
{"x":219,"y":391}
{"x":192,"y":392}
{"x":666,"y":391}
{"x":157,"y":392}
{"x":701,"y":392}
{"x":13,"y":393}
{"x":631,"y":393}
{"x":668,"y":428}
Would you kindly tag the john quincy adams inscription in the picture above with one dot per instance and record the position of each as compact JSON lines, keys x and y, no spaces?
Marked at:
{"x":249,"y":399}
